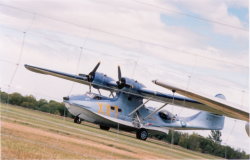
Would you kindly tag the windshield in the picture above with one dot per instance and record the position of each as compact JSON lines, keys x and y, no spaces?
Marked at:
{"x":93,"y":96}
{"x":90,"y":95}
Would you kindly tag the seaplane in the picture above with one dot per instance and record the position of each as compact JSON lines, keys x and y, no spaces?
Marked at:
{"x":126,"y":106}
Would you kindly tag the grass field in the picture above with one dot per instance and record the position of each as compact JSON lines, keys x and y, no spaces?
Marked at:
{"x":29,"y":134}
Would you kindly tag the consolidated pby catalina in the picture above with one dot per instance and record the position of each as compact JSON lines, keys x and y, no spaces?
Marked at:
{"x":126,"y":108}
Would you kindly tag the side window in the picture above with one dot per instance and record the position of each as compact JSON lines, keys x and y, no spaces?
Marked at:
{"x":113,"y":108}
{"x":97,"y":97}
{"x":164,"y":116}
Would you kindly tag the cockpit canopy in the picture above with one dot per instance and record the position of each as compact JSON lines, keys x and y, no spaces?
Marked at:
{"x":165,"y":115}
{"x":94,"y":96}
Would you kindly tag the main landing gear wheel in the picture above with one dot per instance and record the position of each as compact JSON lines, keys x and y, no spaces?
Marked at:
{"x":77,"y":120}
{"x":142,"y":134}
{"x":104,"y":127}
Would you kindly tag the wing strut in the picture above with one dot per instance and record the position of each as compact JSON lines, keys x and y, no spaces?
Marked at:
{"x":155,"y":111}
{"x":111,"y":94}
{"x":138,"y":107}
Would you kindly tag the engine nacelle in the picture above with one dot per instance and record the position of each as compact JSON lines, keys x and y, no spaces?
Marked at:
{"x":133,"y":83}
{"x":101,"y":80}
{"x":247,"y":126}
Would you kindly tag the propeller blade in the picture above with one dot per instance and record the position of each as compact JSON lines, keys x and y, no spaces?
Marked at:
{"x":121,"y":81}
{"x":95,"y":69}
{"x":91,"y":75}
{"x":119,"y":73}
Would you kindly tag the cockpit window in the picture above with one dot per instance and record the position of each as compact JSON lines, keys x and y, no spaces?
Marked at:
{"x":165,"y":115}
{"x":97,"y":98}
{"x":113,"y":108}
{"x":93,"y":96}
{"x":90,"y":95}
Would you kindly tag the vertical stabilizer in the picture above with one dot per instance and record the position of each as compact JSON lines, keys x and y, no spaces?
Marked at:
{"x":205,"y":120}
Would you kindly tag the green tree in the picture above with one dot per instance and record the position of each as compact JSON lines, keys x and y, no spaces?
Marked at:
{"x":42,"y":102}
{"x":194,"y":142}
{"x":206,"y":145}
{"x":44,"y":108}
{"x":208,"y":149}
{"x":184,"y":140}
{"x":56,"y":107}
{"x":15,"y":98}
{"x":3,"y":97}
{"x":29,"y":102}
{"x":218,"y":150}
{"x":62,"y":110}
{"x":215,"y":136}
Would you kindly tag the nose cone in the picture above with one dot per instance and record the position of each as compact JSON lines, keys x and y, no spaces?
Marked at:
{"x":66,"y":98}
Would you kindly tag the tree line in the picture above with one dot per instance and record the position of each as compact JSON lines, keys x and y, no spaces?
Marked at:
{"x":30,"y":102}
{"x":209,"y":145}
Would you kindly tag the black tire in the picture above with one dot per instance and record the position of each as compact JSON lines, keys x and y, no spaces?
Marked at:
{"x":104,"y":127}
{"x":142,"y":134}
{"x":77,"y":120}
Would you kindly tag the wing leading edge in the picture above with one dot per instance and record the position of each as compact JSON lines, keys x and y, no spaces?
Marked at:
{"x":67,"y":76}
{"x":211,"y":104}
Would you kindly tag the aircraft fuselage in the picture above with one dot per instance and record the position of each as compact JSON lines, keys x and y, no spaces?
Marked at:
{"x":114,"y":112}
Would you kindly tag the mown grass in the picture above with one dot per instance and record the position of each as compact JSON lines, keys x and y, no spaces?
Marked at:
{"x":85,"y":141}
{"x":17,"y":148}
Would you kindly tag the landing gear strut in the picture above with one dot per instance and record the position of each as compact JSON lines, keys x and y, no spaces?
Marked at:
{"x":142,"y":134}
{"x":77,"y":120}
{"x":104,"y":127}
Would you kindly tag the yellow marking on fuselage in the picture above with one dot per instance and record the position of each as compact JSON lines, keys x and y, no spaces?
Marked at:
{"x":116,"y":111}
{"x":108,"y":109}
{"x":100,"y":108}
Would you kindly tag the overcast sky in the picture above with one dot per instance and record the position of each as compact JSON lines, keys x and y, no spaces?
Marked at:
{"x":201,"y":45}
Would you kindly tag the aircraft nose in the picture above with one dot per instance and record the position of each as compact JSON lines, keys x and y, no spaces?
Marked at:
{"x":66,"y":98}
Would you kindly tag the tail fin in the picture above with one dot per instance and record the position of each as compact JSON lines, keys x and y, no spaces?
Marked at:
{"x":205,"y":120}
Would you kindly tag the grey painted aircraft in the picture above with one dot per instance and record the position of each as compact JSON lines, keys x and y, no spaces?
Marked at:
{"x":126,"y":108}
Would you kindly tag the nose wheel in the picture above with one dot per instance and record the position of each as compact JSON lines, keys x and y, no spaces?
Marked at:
{"x":142,"y":134}
{"x":77,"y":120}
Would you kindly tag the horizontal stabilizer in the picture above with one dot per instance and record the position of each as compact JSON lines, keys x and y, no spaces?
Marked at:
{"x":214,"y":105}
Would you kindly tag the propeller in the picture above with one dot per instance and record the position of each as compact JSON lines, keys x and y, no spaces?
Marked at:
{"x":121,"y":83}
{"x":91,"y":74}
{"x":90,"y":77}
